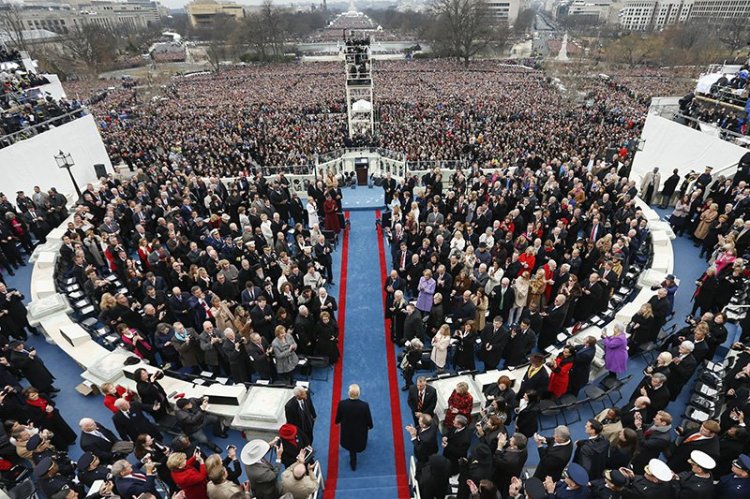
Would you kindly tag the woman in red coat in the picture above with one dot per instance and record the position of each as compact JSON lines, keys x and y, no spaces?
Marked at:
{"x":561,"y":366}
{"x":460,"y":402}
{"x":112,"y":393}
{"x":189,"y":474}
{"x":43,"y":414}
{"x":331,"y":210}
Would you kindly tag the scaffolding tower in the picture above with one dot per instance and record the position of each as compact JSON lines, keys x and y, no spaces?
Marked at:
{"x":359,"y":85}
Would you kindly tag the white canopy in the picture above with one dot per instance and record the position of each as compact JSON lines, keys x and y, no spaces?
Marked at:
{"x":705,"y":81}
{"x":362,"y":106}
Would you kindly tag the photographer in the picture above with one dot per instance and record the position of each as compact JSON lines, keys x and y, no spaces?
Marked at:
{"x":189,"y":475}
{"x":299,"y":478}
{"x":233,"y":349}
{"x":32,"y":367}
{"x":192,"y":418}
{"x":152,"y":394}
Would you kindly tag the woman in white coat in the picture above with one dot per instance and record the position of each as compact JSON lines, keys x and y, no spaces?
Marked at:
{"x":312,"y":212}
{"x":440,"y":343}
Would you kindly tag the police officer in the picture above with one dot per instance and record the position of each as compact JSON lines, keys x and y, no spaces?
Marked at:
{"x":40,"y":447}
{"x":572,"y":485}
{"x":609,"y":487}
{"x":50,"y":480}
{"x":653,"y":484}
{"x":90,"y":469}
{"x":698,"y":482}
{"x":736,"y":485}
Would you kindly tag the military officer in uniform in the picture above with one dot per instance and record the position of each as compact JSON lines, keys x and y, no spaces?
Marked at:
{"x":736,"y":485}
{"x":655,"y":483}
{"x":609,"y":487}
{"x":698,"y":482}
{"x":90,"y":469}
{"x":50,"y":480}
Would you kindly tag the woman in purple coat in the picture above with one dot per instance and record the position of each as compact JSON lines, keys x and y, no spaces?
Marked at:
{"x":615,"y":350}
{"x":426,"y":289}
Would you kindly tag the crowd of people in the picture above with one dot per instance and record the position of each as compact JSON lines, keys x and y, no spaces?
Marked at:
{"x":226,"y":278}
{"x":32,"y":115}
{"x":490,"y":269}
{"x":487,"y":270}
{"x":491,"y":112}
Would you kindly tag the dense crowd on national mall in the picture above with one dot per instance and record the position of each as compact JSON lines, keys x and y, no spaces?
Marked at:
{"x":436,"y":110}
{"x":487,"y":269}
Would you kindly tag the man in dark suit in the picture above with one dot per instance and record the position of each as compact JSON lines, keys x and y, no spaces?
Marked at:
{"x":494,"y":339}
{"x":552,"y":324}
{"x":682,"y":368}
{"x":130,"y":484}
{"x":456,"y":442}
{"x":300,"y":412}
{"x":536,"y":377}
{"x":503,"y":297}
{"x":653,"y":440}
{"x":590,"y":303}
{"x":392,"y":284}
{"x":637,"y":408}
{"x":356,"y":421}
{"x":98,"y":440}
{"x":509,"y":459}
{"x":249,"y":295}
{"x":742,"y":242}
{"x":179,"y":305}
{"x":422,"y":399}
{"x":323,"y":302}
{"x":554,"y":453}
{"x":579,"y":374}
{"x":130,"y":421}
{"x":591,"y":453}
{"x":413,"y":325}
{"x":705,"y":439}
{"x":522,"y":341}
{"x":424,"y":438}
{"x":402,"y":260}
{"x":658,"y":393}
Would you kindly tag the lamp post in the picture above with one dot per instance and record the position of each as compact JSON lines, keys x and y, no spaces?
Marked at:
{"x":66,"y":161}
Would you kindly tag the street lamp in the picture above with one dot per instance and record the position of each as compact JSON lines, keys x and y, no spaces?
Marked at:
{"x":66,"y":161}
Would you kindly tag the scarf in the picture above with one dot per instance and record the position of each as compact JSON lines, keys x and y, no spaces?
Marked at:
{"x":40,"y":404}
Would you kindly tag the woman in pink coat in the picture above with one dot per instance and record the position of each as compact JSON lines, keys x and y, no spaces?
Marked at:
{"x":615,"y":350}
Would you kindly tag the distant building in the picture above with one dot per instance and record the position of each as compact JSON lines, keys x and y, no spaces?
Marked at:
{"x":641,"y":15}
{"x":592,"y":10}
{"x":61,"y":17}
{"x":505,"y":10}
{"x":203,"y":13}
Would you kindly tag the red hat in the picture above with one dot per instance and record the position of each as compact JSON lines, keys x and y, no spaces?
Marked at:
{"x":288,"y":432}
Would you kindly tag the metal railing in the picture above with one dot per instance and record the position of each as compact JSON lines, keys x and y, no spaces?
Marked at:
{"x":42,"y":127}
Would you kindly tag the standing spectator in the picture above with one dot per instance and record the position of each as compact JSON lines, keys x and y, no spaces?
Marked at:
{"x":189,"y":474}
{"x":32,"y":367}
{"x":130,"y":484}
{"x":284,"y":351}
{"x":592,"y":452}
{"x":554,"y":453}
{"x":426,"y":288}
{"x":560,"y":372}
{"x":300,"y":412}
{"x":616,"y":350}
{"x":262,"y":474}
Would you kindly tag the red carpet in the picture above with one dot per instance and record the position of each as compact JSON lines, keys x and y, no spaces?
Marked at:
{"x":333,"y":436}
{"x":397,"y":425}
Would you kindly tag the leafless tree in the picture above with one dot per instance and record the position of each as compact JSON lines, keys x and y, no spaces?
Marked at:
{"x":464,"y":28}
{"x":12,"y":23}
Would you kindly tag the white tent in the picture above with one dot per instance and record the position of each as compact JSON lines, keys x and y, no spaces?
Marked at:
{"x":362,"y":106}
{"x":705,"y":81}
